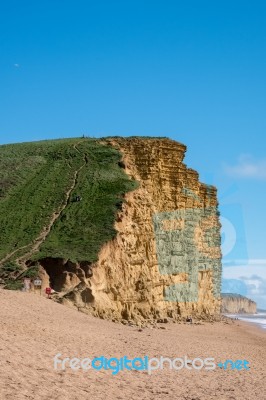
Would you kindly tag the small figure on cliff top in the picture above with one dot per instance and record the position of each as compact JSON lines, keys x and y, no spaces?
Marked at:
{"x":77,"y":198}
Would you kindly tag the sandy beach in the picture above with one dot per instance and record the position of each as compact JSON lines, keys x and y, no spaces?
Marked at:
{"x":35,"y":329}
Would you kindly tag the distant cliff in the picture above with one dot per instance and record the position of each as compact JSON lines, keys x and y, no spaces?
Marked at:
{"x":236,"y":304}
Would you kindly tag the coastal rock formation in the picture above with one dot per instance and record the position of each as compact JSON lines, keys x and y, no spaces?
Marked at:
{"x":165,"y":260}
{"x":237,"y":304}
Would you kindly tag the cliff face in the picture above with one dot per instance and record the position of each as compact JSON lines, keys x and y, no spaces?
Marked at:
{"x":166,"y":258}
{"x":237,"y":304}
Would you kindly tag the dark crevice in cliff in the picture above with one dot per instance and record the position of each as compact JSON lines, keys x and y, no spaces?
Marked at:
{"x":64,"y":274}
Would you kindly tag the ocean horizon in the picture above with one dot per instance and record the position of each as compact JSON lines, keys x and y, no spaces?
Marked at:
{"x":258,"y":318}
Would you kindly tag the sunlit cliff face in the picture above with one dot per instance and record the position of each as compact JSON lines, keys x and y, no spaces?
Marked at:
{"x":165,"y":260}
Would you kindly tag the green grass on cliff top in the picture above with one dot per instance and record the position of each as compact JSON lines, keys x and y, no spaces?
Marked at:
{"x":34,"y":179}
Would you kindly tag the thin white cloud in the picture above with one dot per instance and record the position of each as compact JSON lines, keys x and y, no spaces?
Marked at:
{"x":248,"y":270}
{"x":244,"y":262}
{"x":256,"y":285}
{"x":247,"y":167}
{"x":253,"y":276}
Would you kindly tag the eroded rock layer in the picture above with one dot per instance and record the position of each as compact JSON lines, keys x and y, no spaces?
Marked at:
{"x":165,"y":260}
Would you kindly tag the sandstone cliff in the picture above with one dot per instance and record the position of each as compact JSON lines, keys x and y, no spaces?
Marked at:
{"x":237,"y":304}
{"x":165,"y":260}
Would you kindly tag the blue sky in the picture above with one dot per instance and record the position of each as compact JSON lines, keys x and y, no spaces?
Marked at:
{"x":193,"y":71}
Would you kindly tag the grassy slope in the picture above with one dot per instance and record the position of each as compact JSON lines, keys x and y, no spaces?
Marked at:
{"x":34,"y":178}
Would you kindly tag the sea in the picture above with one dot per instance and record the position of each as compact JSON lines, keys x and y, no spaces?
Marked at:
{"x":259,"y":319}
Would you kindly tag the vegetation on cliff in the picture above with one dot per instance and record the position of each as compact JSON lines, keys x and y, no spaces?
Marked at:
{"x":39,"y":185}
